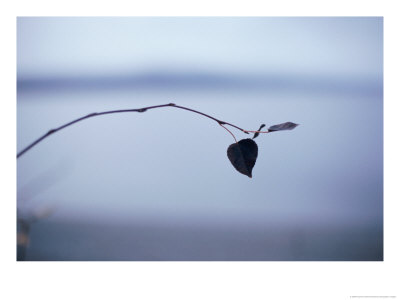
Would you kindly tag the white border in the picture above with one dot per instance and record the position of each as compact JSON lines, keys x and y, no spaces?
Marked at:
{"x":199,"y":280}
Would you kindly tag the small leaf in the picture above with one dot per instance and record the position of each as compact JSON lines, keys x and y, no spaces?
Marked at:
{"x":283,"y":126}
{"x":243,"y":156}
{"x":259,"y":129}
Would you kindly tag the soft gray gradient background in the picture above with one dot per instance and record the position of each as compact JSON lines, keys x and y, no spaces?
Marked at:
{"x":158,"y":185}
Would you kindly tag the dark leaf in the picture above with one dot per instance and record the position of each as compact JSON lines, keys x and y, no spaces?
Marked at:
{"x":259,"y":129}
{"x":283,"y":126}
{"x":243,"y":155}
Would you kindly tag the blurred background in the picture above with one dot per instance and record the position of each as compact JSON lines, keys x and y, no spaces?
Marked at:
{"x":159,"y":185}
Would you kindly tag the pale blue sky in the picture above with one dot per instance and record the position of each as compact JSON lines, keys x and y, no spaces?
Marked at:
{"x":338,"y":46}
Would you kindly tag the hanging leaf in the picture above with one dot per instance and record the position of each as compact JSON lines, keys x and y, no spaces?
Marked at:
{"x":259,"y":129}
{"x":283,"y":126}
{"x":243,"y":155}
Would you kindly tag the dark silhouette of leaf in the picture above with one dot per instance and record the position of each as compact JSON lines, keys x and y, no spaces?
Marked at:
{"x":259,"y":129}
{"x":243,"y":155}
{"x":283,"y":126}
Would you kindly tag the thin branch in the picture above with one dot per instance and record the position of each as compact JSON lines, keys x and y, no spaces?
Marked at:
{"x":50,"y":132}
{"x":256,"y":131}
{"x":229,"y":132}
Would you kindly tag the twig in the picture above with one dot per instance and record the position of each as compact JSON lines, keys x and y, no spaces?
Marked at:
{"x":50,"y":132}
{"x":229,"y":132}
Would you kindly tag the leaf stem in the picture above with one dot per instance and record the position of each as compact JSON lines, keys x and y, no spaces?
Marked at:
{"x":144,"y":109}
{"x":229,"y":132}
